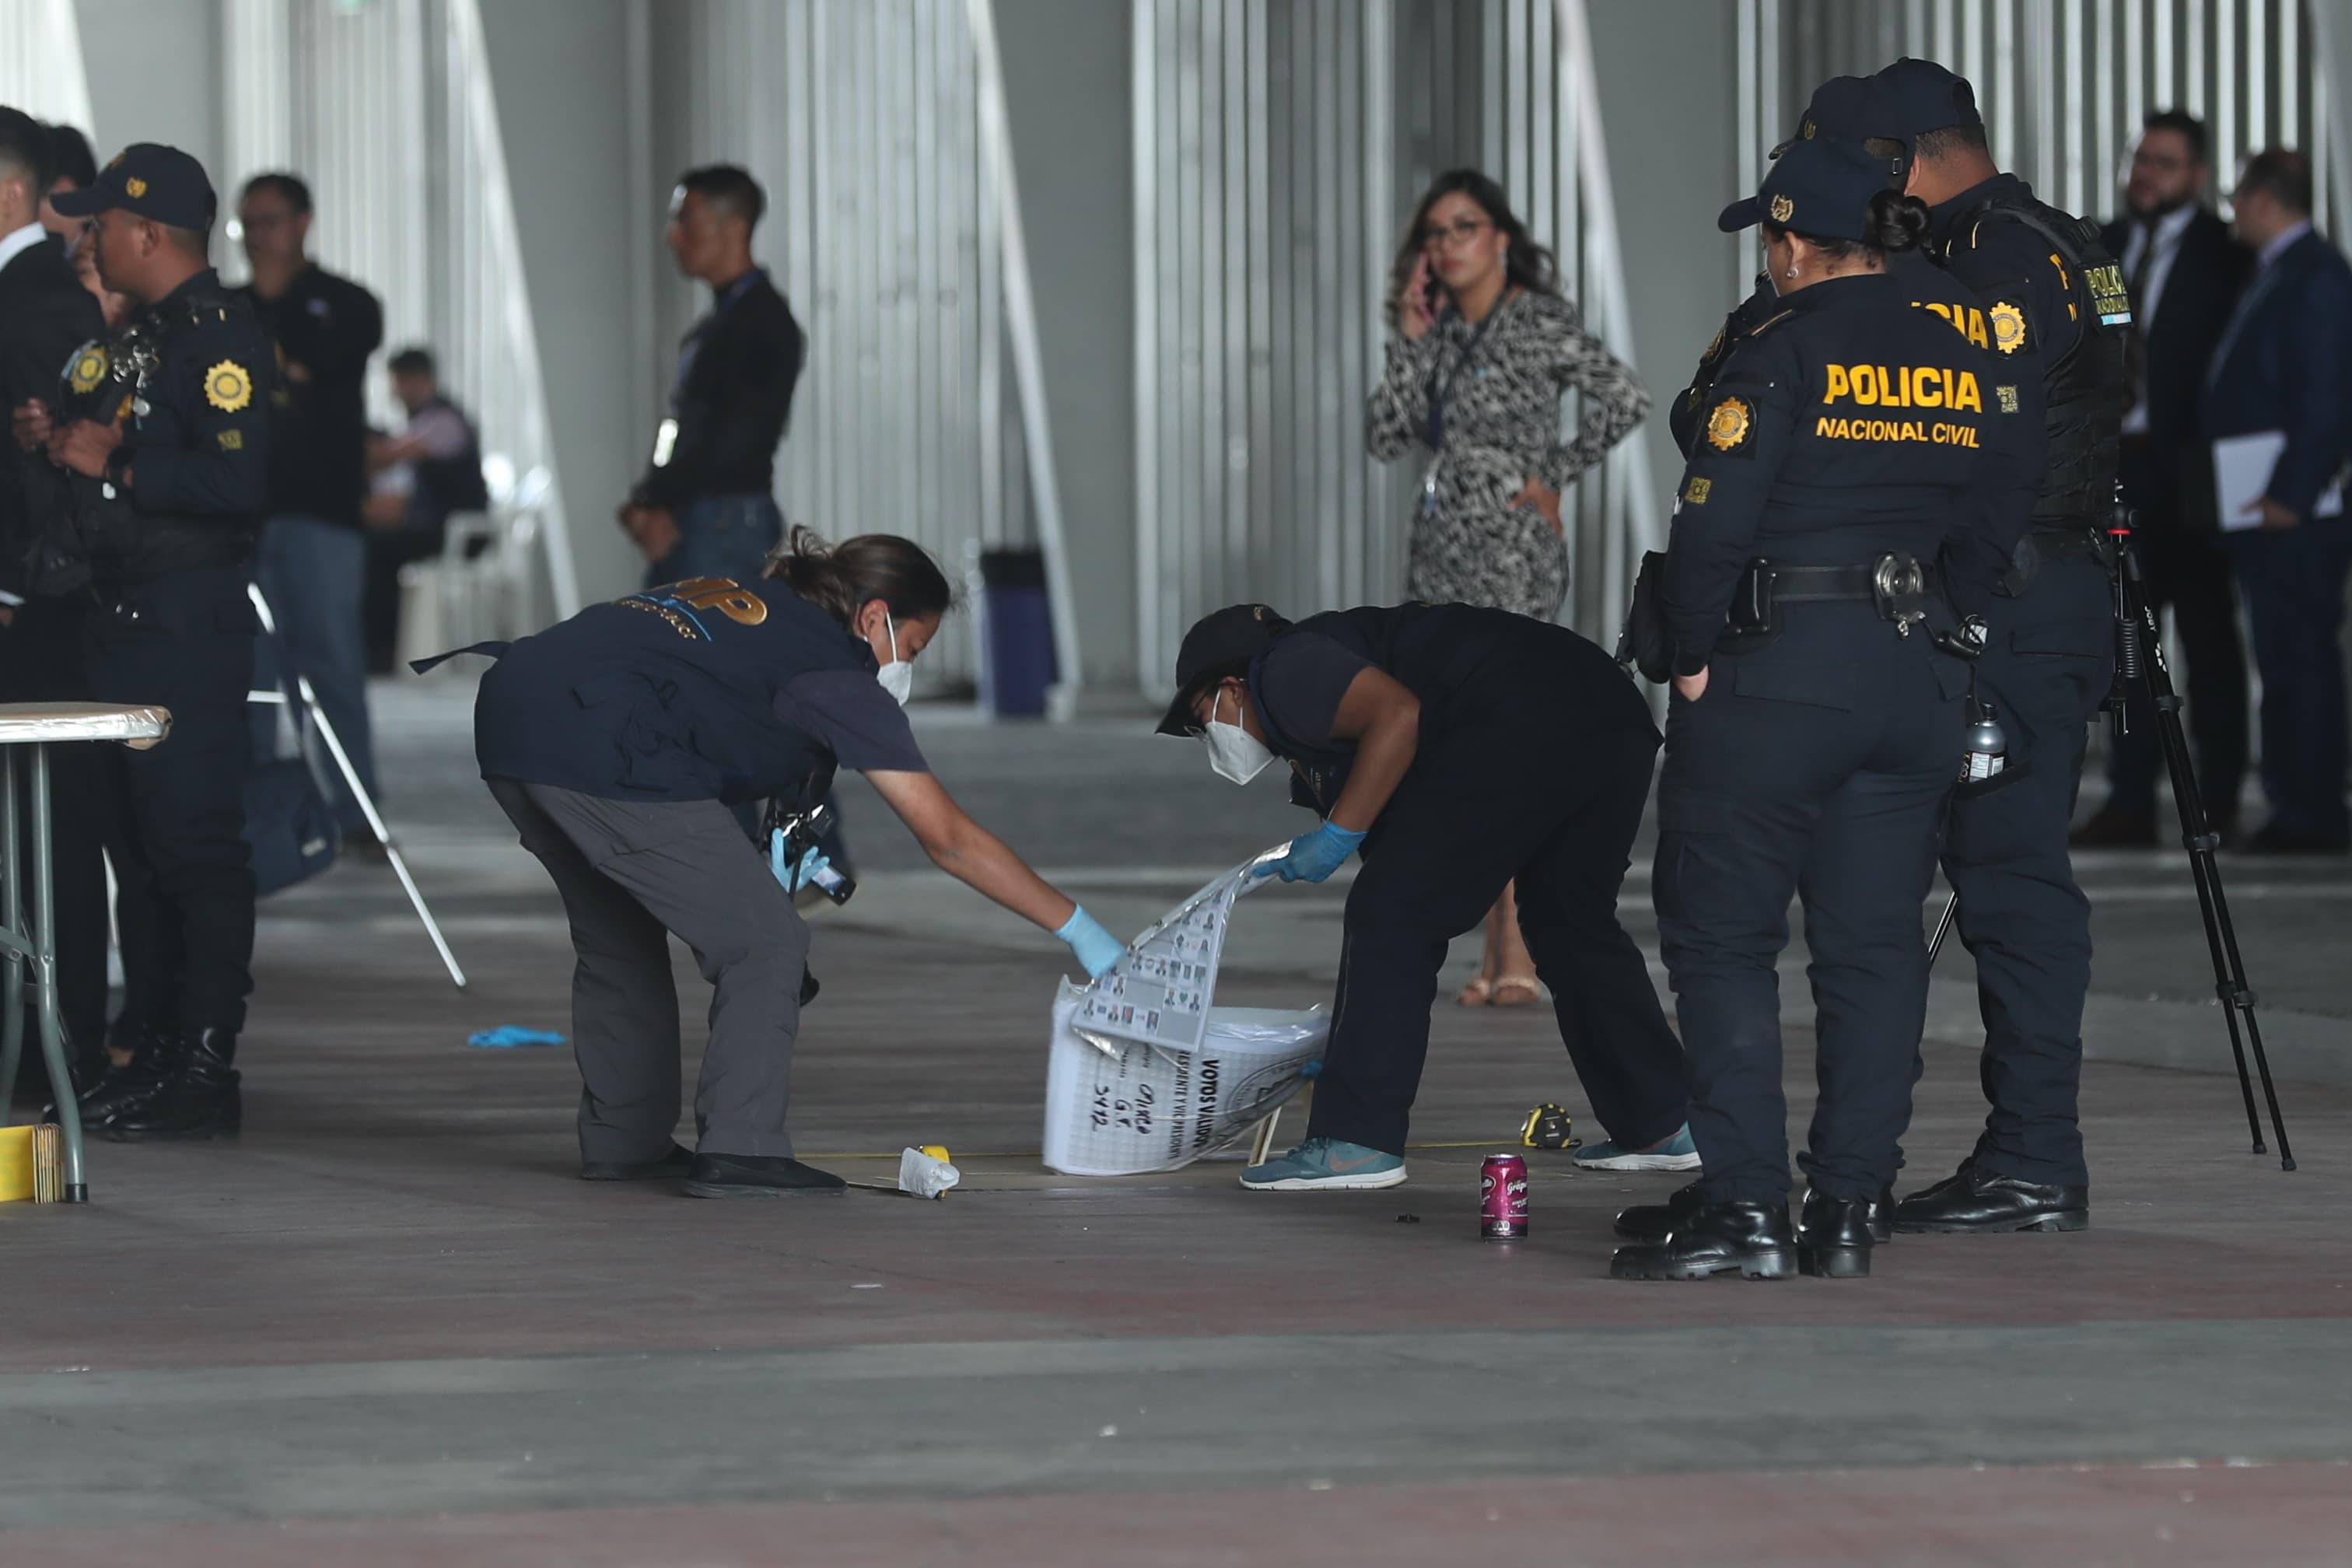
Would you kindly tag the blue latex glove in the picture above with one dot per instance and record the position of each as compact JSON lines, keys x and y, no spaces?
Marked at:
{"x":1094,"y":945}
{"x":507,"y":1036}
{"x":1314,"y":856}
{"x":799,"y":877}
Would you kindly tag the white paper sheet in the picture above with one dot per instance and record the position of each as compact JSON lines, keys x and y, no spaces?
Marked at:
{"x":2241,"y":472}
{"x":1143,"y":1074}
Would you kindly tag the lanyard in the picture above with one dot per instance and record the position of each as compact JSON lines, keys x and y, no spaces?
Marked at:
{"x":1440,"y":391}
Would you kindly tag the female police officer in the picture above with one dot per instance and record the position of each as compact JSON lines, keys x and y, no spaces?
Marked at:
{"x":1816,"y":724}
{"x":615,"y":739}
{"x":1458,"y":747}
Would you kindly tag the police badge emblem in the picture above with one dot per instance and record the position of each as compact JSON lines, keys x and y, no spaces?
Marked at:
{"x":227,"y":387}
{"x":2008,"y":326}
{"x":1727,"y":427}
{"x":89,"y":368}
{"x":1783,"y":209}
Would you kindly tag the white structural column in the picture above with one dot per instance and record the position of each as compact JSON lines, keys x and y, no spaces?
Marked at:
{"x":1634,"y":524}
{"x":41,"y":62}
{"x":1028,"y":366}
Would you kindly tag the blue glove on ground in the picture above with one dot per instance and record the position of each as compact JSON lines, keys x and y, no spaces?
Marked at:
{"x":507,"y":1036}
{"x":797,"y":877}
{"x":1094,"y":945}
{"x":1314,"y":856}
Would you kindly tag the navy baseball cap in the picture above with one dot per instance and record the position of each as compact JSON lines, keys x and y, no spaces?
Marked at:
{"x":1226,"y":636}
{"x":1844,"y":108}
{"x":148,"y":180}
{"x":1922,"y":96}
{"x":1820,"y":188}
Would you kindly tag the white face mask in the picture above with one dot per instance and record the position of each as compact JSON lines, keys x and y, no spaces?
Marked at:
{"x":1234,"y":752}
{"x":897,"y":677}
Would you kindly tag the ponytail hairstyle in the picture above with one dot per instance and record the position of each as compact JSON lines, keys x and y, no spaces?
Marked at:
{"x":843,"y":579}
{"x":1897,"y":223}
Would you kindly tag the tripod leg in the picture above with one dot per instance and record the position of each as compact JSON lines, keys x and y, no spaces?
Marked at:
{"x":1943,"y":928}
{"x":2146,"y":665}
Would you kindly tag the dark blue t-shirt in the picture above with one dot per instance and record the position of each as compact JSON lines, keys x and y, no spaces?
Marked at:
{"x":706,"y":689}
{"x":1302,"y":682}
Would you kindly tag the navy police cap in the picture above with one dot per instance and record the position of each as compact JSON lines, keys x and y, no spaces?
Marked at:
{"x":1844,"y":108}
{"x":1922,"y":96}
{"x":1219,"y":639}
{"x":148,"y":180}
{"x":1820,"y":188}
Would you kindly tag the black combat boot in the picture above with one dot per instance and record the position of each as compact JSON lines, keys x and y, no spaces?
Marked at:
{"x":1834,"y":1235}
{"x":1654,"y":1222}
{"x":1748,"y":1238}
{"x":116,"y":1089}
{"x":1651,"y":1222}
{"x":198,"y":1099}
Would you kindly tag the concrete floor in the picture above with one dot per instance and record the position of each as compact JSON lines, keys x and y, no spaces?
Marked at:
{"x":389,"y":1326}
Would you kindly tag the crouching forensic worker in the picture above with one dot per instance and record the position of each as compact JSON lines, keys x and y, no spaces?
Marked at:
{"x":616,"y":742}
{"x":1455,"y":748}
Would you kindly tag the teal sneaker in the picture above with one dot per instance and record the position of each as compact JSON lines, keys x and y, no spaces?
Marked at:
{"x":1327,"y":1165}
{"x":1676,"y":1153}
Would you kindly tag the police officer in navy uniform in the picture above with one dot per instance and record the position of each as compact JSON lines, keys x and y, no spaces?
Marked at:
{"x":617,"y":741}
{"x":1816,"y":726}
{"x":2059,"y":313}
{"x":170,"y":482}
{"x":1841,"y":108}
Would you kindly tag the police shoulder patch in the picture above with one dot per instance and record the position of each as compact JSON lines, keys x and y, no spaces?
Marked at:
{"x":2010,"y":332}
{"x":89,"y":368}
{"x":1731,"y":427}
{"x":228,"y":387}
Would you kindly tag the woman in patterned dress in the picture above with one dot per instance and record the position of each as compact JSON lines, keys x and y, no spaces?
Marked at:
{"x":1484,"y":348}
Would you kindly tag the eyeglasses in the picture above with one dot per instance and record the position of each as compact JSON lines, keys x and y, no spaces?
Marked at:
{"x":1456,"y":233}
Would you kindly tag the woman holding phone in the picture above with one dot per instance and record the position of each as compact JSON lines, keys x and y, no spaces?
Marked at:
{"x":1484,"y":347}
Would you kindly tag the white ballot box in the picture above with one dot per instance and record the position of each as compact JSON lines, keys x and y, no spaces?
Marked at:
{"x":1143,"y":1072}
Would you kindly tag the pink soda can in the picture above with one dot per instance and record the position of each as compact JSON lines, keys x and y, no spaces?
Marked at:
{"x":1503,"y":1198}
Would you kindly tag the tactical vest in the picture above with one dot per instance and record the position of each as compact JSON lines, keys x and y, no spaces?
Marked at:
{"x":2088,"y":389}
{"x":667,"y":695}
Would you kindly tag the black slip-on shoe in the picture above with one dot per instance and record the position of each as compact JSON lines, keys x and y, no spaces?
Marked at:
{"x":757,"y":1176}
{"x":1976,"y":1199}
{"x":675,"y":1163}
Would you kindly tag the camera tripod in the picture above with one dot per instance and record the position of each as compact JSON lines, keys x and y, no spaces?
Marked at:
{"x":2140,"y":664}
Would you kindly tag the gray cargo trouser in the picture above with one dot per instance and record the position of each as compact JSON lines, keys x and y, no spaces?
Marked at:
{"x":631,"y":873}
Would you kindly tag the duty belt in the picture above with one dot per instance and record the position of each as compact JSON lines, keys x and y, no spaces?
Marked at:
{"x":1897,"y":583}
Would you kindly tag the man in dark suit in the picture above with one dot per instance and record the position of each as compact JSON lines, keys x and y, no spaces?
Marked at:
{"x":2184,"y":272}
{"x":45,"y":315}
{"x":2284,"y":368}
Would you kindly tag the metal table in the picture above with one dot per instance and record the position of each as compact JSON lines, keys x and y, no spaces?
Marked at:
{"x":29,"y":946}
